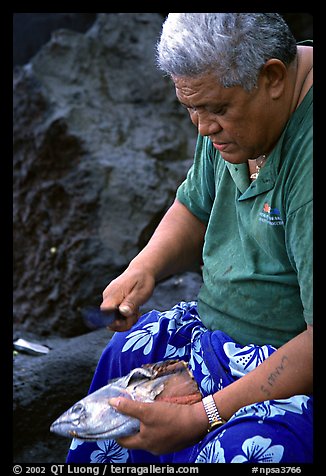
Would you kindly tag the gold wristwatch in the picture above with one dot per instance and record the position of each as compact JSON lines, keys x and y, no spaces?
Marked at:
{"x":212,"y":413}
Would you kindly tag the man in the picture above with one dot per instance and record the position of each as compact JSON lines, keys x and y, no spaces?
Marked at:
{"x":245,"y":210}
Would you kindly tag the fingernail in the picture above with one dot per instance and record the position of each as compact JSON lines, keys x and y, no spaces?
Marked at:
{"x":125,"y":309}
{"x":114,"y":402}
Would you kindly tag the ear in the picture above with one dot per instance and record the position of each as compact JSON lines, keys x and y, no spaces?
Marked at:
{"x":274,"y":72}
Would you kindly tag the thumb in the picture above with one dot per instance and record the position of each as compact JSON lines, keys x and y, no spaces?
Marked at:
{"x":128,"y":309}
{"x":127,"y":407}
{"x":137,"y":295}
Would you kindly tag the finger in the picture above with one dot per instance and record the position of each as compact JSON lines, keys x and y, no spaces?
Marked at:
{"x":112,"y":294}
{"x":125,"y":302}
{"x":128,"y":407}
{"x":125,"y":315}
{"x":139,"y":293}
{"x":133,"y":409}
{"x":121,"y":325}
{"x":132,"y":442}
{"x":129,"y":306}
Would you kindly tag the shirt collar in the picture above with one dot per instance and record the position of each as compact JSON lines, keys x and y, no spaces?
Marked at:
{"x":264,"y":182}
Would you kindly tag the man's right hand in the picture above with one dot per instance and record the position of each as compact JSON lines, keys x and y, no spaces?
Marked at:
{"x":126,"y":293}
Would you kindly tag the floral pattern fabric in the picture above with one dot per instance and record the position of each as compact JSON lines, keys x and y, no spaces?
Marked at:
{"x":271,"y":431}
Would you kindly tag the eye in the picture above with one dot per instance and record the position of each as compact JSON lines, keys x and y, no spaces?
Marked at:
{"x":78,"y":408}
{"x":77,"y":413}
{"x":218,"y":111}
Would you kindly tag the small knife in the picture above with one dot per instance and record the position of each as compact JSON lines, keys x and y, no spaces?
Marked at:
{"x":29,"y":347}
{"x":95,"y":318}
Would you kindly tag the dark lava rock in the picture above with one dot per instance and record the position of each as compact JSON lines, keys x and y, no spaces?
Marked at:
{"x":100,"y":146}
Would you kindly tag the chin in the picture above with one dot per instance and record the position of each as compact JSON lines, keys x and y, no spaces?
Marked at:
{"x":234,"y":158}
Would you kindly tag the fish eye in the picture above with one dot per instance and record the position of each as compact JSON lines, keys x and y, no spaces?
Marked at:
{"x":77,"y":408}
{"x":77,"y":412}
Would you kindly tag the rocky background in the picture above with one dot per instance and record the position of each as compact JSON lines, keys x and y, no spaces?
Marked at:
{"x":100,"y":146}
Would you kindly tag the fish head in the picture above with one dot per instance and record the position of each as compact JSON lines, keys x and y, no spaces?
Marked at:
{"x":93,"y":418}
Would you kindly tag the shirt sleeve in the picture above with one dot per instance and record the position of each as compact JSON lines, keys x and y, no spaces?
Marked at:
{"x":299,"y":238}
{"x":198,"y":190}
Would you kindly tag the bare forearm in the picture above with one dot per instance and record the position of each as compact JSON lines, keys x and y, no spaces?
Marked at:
{"x":287,"y":372}
{"x":175,"y":246}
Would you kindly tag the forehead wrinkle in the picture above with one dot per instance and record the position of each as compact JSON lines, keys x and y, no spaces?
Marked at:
{"x":201,"y":103}
{"x":188,"y":98}
{"x":197,"y":91}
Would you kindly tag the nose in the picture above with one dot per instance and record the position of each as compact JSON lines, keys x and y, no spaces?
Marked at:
{"x":206,"y":124}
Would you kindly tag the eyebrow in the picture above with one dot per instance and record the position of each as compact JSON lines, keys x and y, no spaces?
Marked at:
{"x":217,"y":105}
{"x":190,"y":107}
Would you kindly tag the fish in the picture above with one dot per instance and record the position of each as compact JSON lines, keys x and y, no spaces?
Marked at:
{"x":92,"y":418}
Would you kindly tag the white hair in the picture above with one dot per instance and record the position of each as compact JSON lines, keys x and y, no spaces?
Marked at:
{"x":233,"y":45}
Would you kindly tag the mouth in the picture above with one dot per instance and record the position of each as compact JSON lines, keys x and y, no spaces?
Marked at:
{"x":94,"y":435}
{"x":220,"y":146}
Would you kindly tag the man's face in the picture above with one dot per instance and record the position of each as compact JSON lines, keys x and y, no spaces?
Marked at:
{"x":241,"y":125}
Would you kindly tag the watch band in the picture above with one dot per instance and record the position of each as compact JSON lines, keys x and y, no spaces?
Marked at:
{"x":212,"y":413}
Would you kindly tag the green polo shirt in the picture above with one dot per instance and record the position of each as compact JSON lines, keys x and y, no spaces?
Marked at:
{"x":257,"y":255}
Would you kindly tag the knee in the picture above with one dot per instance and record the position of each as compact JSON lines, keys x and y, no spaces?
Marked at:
{"x":257,"y":441}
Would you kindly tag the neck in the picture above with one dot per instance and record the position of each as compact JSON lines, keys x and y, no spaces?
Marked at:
{"x":303,"y":75}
